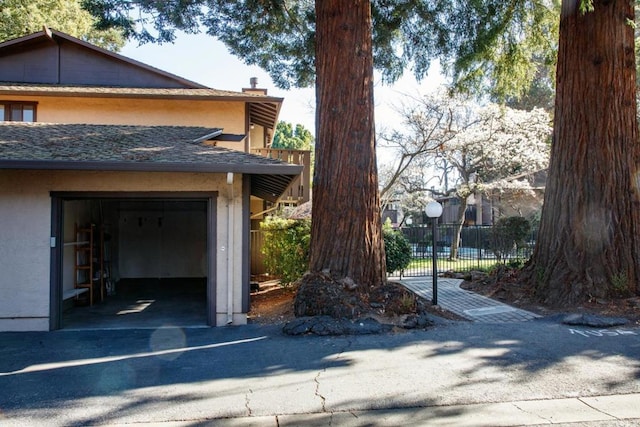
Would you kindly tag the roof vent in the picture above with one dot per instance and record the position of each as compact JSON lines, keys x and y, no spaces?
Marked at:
{"x":253,"y":82}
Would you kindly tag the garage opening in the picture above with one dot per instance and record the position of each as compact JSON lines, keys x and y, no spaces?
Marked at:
{"x":134,"y":262}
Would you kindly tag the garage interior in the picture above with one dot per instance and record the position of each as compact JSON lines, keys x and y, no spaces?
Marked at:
{"x":134,"y":263}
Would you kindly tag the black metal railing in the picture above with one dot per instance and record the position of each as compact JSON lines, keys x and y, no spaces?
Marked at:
{"x":479,"y":247}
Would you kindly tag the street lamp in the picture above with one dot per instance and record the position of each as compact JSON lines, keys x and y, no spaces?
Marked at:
{"x":433,"y":211}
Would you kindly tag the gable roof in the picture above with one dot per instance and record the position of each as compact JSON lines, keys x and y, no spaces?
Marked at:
{"x":52,"y":63}
{"x":52,"y":146}
{"x":65,"y":50}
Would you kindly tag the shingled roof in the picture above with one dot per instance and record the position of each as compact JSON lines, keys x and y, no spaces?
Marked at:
{"x":27,"y":89}
{"x":136,"y":148}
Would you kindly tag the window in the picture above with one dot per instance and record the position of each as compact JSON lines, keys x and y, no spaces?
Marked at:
{"x":17,"y":111}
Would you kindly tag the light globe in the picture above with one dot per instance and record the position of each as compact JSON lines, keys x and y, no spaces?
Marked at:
{"x":433,"y":209}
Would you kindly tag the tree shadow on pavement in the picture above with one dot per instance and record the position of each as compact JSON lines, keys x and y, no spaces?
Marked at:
{"x":118,"y":376}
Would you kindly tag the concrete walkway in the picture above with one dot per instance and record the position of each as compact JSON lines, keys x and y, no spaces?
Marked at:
{"x":467,"y":304}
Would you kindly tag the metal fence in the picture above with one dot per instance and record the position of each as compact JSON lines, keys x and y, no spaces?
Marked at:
{"x":479,"y":247}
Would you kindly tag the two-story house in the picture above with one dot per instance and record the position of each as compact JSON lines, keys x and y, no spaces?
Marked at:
{"x":112,"y":172}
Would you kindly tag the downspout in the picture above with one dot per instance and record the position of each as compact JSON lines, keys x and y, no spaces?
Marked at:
{"x":230,"y":248}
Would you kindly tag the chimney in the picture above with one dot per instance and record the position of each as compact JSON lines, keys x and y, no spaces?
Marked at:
{"x":254,"y":89}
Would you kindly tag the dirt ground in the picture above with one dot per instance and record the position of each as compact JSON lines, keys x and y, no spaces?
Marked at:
{"x":274,"y":305}
{"x":508,"y":289}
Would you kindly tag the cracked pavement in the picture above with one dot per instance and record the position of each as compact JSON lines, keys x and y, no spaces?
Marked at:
{"x":458,"y":373}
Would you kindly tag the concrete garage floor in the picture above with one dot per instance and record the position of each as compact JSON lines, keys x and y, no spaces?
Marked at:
{"x":144,"y":303}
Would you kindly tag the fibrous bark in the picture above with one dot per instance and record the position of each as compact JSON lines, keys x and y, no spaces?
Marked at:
{"x":346,"y":236}
{"x":588,"y":244}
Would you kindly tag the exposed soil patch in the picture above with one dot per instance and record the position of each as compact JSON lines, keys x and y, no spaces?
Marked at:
{"x":504,"y":285}
{"x":390,"y":304}
{"x":271,"y":305}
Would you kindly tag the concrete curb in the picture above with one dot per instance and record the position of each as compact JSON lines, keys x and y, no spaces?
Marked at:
{"x":619,"y":410}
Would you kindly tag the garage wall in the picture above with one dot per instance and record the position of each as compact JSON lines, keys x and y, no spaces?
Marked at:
{"x":163,"y":241}
{"x":25,"y":224}
{"x":25,"y":230}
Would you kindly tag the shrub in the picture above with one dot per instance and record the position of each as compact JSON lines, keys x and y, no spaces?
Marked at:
{"x":286,"y":247}
{"x":509,"y":234}
{"x":397,"y":249}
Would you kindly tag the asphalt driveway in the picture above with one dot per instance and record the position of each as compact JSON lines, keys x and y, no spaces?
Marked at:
{"x":255,"y":375}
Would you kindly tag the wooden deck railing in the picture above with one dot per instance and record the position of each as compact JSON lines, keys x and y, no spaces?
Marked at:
{"x":300,"y":189}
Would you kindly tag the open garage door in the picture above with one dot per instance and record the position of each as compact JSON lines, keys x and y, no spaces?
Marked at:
{"x":134,"y":260}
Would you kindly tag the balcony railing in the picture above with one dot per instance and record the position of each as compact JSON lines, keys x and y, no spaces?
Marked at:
{"x":300,"y":189}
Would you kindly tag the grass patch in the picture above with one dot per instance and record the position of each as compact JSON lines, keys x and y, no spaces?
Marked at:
{"x":444,"y":264}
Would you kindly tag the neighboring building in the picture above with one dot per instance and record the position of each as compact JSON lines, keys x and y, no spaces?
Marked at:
{"x":391,"y":213}
{"x":498,"y":200}
{"x":161,"y":166}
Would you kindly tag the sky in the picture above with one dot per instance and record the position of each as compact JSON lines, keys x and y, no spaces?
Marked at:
{"x":205,"y":60}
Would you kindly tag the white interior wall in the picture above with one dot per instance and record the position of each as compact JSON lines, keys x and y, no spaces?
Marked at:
{"x":166,"y":240}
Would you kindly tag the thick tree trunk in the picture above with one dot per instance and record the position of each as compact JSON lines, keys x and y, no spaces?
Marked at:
{"x":346,"y":235}
{"x":588,"y":244}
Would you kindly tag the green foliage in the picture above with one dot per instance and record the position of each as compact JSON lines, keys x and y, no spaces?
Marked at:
{"x":482,"y":43}
{"x":397,"y":249}
{"x":292,"y":139}
{"x":286,"y":247}
{"x":498,"y":46}
{"x":509,"y":234}
{"x":21,"y":17}
{"x":620,"y":285}
{"x":586,"y":6}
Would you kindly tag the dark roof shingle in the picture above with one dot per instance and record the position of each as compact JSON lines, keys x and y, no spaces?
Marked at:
{"x":133,"y":148}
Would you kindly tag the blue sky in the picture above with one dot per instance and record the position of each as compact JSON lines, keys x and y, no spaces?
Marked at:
{"x":205,"y":60}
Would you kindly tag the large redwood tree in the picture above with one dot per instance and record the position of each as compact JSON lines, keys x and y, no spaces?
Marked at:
{"x":588,"y":244}
{"x":346,"y":233}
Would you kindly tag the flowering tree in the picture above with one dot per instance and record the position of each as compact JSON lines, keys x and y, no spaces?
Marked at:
{"x":500,"y":143}
{"x":468,"y":148}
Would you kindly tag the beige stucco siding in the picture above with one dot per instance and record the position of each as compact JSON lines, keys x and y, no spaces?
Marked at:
{"x":24,"y":251}
{"x":25,"y":230}
{"x":148,"y":112}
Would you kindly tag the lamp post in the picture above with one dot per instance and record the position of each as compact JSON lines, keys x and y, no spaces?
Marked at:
{"x":433,"y":211}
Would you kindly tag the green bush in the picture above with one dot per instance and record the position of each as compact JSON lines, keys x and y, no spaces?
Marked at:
{"x":397,"y":249}
{"x":286,"y":247}
{"x":509,"y":234}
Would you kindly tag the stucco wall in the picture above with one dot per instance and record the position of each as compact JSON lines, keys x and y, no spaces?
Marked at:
{"x":217,"y":114}
{"x":25,"y":230}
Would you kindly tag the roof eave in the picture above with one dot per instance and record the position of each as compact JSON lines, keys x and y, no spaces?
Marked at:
{"x":253,"y":169}
{"x":90,"y":94}
{"x":268,"y":182}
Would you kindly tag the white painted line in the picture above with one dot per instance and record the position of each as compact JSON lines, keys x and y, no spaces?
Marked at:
{"x":489,"y":310}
